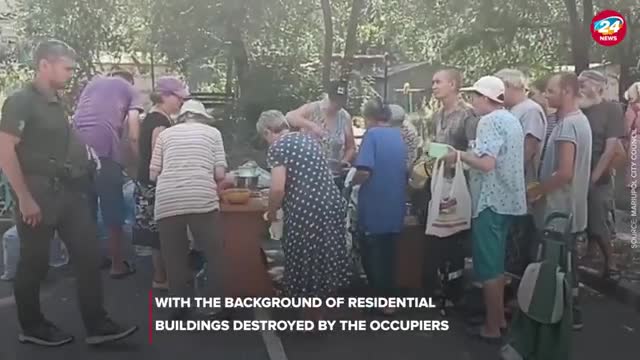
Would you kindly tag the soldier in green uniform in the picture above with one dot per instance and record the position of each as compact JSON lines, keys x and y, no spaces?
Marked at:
{"x":50,"y":171}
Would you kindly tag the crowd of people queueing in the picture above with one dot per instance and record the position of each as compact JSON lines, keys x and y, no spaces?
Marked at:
{"x":524,"y":159}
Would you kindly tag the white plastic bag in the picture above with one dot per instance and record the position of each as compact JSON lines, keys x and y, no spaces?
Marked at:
{"x":450,"y":205}
{"x":276,"y":229}
{"x":58,"y":255}
{"x":10,"y":253}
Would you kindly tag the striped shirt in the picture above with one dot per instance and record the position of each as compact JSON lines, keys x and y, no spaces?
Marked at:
{"x":185,"y":157}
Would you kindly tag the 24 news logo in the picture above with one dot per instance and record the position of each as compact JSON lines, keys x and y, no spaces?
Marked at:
{"x":608,"y":28}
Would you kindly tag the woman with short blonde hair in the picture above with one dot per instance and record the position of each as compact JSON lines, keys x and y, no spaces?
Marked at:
{"x":314,"y":238}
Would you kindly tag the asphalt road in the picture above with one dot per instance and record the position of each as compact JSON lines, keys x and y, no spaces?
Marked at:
{"x":611,"y":331}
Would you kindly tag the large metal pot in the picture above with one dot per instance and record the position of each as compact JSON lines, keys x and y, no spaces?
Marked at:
{"x":247,"y":178}
{"x":247,"y":182}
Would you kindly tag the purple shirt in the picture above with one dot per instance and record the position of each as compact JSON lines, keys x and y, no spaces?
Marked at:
{"x":101,"y":113}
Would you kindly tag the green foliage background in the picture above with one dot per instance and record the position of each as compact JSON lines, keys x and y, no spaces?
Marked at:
{"x":280,"y":42}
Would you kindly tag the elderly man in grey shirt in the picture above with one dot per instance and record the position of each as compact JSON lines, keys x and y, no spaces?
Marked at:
{"x":566,"y":167}
{"x":531,"y":116}
{"x":534,"y":123}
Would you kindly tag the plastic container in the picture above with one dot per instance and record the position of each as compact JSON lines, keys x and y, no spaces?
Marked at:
{"x":58,"y":255}
{"x":438,"y":150}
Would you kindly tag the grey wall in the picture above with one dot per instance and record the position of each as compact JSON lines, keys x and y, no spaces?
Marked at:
{"x":418,"y":77}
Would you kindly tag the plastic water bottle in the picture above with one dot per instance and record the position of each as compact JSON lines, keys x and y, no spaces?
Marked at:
{"x":10,"y":253}
{"x":58,"y":254}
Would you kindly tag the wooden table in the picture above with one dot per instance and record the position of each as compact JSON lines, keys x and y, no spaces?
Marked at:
{"x":410,"y":256}
{"x":243,"y":229}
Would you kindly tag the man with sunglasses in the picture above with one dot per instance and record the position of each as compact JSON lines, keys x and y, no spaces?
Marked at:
{"x":106,"y":106}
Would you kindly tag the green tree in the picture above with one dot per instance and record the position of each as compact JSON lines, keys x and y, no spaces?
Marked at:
{"x":91,"y":27}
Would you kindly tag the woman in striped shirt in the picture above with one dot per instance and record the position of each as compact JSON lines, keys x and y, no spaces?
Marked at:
{"x":189,"y":163}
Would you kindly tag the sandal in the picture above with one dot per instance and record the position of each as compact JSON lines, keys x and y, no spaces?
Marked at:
{"x":162,"y":286}
{"x":476,"y":333}
{"x":478,"y":321}
{"x":389,"y":311}
{"x":130,"y":271}
{"x":613,"y":274}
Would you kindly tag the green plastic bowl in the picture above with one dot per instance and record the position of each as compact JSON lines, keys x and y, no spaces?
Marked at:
{"x":437,"y":150}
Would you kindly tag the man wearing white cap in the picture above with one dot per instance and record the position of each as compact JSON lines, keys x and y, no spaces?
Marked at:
{"x":498,"y":195}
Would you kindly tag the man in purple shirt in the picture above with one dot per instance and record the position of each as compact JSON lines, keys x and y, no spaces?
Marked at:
{"x":106,"y":104}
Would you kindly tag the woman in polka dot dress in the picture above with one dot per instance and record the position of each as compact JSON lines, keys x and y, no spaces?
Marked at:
{"x":314,"y":241}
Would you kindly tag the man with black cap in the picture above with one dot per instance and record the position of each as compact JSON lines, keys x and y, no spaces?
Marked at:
{"x":607,"y":126}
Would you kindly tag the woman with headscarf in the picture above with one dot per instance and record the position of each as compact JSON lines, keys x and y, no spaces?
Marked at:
{"x":314,"y":237}
{"x":409,"y":133}
{"x":632,"y":117}
{"x":331,"y":123}
{"x":189,"y":163}
{"x":167,"y":99}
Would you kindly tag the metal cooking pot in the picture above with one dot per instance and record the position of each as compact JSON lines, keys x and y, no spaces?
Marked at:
{"x":247,"y":182}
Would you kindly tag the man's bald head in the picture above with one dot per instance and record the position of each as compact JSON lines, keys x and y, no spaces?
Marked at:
{"x":446,"y":83}
{"x":454,"y":75}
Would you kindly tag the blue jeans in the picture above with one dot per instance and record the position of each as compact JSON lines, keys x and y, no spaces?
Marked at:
{"x":127,"y":213}
{"x":108,"y":185}
{"x":378,"y":260}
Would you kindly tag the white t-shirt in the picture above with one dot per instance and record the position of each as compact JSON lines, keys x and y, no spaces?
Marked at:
{"x":534,"y":123}
{"x":186,"y":156}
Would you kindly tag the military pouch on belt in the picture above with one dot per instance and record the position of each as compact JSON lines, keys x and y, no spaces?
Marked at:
{"x":72,"y":168}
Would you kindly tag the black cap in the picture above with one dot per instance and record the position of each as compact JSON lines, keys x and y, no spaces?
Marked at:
{"x":338,"y":90}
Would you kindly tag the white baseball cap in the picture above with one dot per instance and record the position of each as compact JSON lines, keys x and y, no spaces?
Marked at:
{"x":194,"y":107}
{"x":489,"y":86}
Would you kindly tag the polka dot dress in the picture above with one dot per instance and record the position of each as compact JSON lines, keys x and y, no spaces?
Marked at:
{"x":314,"y":238}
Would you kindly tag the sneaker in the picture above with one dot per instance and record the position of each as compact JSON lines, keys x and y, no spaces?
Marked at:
{"x":109,"y":331}
{"x":577,"y":320}
{"x":46,"y":334}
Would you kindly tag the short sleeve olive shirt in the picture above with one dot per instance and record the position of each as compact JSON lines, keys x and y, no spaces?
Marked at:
{"x":41,"y":122}
{"x":47,"y":145}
